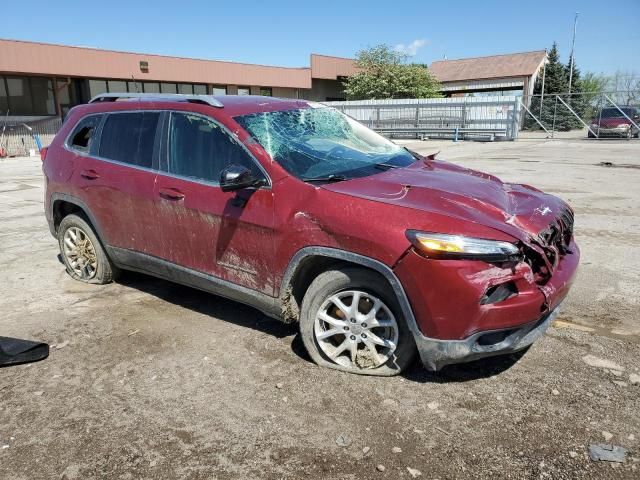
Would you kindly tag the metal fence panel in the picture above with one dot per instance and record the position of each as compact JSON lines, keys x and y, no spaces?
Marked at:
{"x":496,"y":117}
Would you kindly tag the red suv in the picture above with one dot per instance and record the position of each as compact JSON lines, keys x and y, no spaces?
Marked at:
{"x":300,"y":211}
{"x":615,"y":122}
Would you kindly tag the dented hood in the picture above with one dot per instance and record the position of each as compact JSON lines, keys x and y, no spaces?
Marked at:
{"x":446,"y":189}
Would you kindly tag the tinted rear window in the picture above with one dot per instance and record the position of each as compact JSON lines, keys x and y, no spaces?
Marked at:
{"x":615,"y":113}
{"x":129,"y":137}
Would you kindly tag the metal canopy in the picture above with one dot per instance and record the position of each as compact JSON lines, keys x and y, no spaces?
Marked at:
{"x":167,"y":97}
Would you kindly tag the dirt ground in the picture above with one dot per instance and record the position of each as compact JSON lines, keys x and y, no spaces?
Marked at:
{"x":147,"y":379}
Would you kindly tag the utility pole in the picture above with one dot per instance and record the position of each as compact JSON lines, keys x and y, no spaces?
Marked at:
{"x":544,"y":74}
{"x":573,"y":44}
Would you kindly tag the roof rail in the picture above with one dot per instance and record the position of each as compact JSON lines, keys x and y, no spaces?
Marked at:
{"x":167,"y":97}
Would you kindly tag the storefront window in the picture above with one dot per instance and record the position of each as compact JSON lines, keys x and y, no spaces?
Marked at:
{"x":185,"y":88}
{"x":168,"y":88}
{"x":42,"y":96}
{"x":265,"y":91}
{"x":117,"y":86}
{"x":134,"y":87}
{"x":19,"y":96}
{"x":4,"y":102}
{"x":218,"y":90}
{"x":27,"y":96}
{"x":244,"y":91}
{"x":200,"y":89}
{"x":96,"y":87}
{"x":151,"y":87}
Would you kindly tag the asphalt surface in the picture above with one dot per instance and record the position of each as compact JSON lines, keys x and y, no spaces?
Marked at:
{"x":148,"y":379}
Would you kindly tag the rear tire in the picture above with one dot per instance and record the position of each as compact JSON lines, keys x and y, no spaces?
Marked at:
{"x":82,"y":253}
{"x":369,"y":339}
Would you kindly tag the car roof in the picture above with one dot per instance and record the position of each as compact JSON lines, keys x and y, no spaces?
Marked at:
{"x":231,"y":105}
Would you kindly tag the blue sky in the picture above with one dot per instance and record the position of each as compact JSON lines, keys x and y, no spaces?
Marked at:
{"x":285,"y":32}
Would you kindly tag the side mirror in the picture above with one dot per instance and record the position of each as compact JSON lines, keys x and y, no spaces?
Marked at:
{"x":236,"y":177}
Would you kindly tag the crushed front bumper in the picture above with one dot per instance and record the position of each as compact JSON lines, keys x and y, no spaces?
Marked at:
{"x":435,"y":353}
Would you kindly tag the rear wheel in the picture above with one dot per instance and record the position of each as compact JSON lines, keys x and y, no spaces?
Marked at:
{"x":351,"y":320}
{"x":82,"y":252}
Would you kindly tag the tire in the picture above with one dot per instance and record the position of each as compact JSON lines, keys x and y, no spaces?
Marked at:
{"x":590,"y":135}
{"x":345,"y":285}
{"x":76,"y":228}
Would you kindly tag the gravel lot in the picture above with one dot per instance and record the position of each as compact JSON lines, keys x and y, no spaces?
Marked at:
{"x":148,"y":379}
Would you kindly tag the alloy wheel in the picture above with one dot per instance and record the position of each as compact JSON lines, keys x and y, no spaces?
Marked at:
{"x":80,"y":253}
{"x":356,"y":330}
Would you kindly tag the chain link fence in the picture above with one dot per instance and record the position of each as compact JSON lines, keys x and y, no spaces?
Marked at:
{"x":602,"y":115}
{"x":19,"y":136}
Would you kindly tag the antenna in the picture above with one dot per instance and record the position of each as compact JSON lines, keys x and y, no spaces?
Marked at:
{"x":135,"y":82}
{"x":573,"y":44}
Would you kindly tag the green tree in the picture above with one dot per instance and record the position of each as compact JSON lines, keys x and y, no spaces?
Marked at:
{"x":385,"y":73}
{"x":594,"y":84}
{"x":550,"y":111}
{"x":577,"y":100}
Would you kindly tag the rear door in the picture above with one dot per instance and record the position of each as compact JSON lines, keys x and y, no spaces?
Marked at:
{"x":227,"y":235}
{"x":116,"y":179}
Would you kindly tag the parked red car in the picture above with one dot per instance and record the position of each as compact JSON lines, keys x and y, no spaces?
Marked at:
{"x":300,"y":211}
{"x":615,"y":122}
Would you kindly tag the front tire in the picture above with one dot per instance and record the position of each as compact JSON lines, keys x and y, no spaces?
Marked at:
{"x":82,"y":252}
{"x":350,"y":320}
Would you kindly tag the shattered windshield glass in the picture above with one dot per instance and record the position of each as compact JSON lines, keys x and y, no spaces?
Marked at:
{"x":322,"y":143}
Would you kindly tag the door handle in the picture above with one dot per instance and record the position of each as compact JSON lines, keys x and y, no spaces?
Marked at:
{"x":89,"y":174}
{"x":171,"y":193}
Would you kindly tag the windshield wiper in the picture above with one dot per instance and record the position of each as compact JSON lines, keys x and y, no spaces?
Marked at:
{"x":328,"y":178}
{"x":415,"y":155}
{"x":385,"y":166}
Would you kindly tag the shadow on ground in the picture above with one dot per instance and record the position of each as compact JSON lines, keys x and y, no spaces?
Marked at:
{"x":246,"y":316}
{"x":207,"y":304}
{"x":465,"y":372}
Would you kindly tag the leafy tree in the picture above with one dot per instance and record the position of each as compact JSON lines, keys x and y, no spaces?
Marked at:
{"x":626,"y":85}
{"x":385,"y":73}
{"x":593,"y":84}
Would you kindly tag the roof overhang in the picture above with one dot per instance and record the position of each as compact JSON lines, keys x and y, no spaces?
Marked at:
{"x":67,"y":61}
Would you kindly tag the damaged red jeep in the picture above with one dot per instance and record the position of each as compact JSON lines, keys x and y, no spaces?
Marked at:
{"x":298,"y":210}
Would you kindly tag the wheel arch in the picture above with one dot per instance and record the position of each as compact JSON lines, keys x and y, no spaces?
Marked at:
{"x":63,"y":205}
{"x":308,"y":262}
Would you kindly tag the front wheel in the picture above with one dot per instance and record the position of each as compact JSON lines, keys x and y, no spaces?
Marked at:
{"x":82,"y":252}
{"x":350,"y":320}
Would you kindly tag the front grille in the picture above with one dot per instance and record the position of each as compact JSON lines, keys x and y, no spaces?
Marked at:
{"x":557,"y":237}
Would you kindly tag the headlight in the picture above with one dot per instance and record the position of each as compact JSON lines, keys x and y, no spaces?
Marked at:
{"x":594,"y":126}
{"x":624,"y":125}
{"x":439,"y":245}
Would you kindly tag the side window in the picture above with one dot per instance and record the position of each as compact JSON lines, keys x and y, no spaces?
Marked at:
{"x":82,"y":136}
{"x":129,"y":137}
{"x":201,"y":149}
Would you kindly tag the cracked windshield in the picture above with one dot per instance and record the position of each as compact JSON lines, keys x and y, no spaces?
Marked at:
{"x":323,"y":144}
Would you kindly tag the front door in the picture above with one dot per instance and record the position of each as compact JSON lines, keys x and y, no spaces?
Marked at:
{"x":227,"y":235}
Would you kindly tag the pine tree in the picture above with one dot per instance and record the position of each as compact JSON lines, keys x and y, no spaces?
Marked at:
{"x":579,"y":103}
{"x":556,"y":81}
